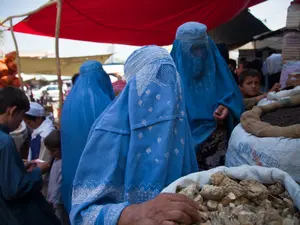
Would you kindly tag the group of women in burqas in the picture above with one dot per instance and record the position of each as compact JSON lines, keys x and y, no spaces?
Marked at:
{"x":173,"y":117}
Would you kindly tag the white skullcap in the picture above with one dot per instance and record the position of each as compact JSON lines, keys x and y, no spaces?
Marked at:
{"x":36,"y":110}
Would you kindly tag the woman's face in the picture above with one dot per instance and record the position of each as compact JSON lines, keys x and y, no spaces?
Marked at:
{"x":197,"y":55}
{"x":199,"y":51}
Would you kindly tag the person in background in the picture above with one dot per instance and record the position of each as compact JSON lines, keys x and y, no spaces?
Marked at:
{"x":21,"y":202}
{"x":242,"y":64}
{"x":271,"y":70}
{"x":118,"y":86}
{"x":138,"y":146}
{"x":213,"y":100}
{"x":90,"y":96}
{"x":74,"y":78}
{"x":223,"y":51}
{"x":232,"y":68}
{"x":249,"y":82}
{"x":53,"y":143}
{"x":42,"y":126}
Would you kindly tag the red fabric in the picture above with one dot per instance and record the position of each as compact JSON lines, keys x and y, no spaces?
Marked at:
{"x":133,"y":22}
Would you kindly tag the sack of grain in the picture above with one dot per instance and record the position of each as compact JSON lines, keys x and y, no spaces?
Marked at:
{"x":247,"y":149}
{"x":291,"y":47}
{"x":252,"y":123}
{"x":242,"y":195}
{"x":293,"y":16}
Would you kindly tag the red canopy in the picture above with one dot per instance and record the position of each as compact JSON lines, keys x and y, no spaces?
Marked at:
{"x":133,"y":22}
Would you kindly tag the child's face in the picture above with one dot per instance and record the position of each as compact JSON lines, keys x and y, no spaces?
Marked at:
{"x":251,"y":87}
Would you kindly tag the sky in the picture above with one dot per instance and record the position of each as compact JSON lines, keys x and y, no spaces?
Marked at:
{"x":271,"y":12}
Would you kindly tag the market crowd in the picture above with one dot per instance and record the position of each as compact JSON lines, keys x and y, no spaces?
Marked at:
{"x":116,"y":149}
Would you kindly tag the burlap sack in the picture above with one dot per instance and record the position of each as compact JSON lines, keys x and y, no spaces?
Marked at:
{"x":251,"y":122}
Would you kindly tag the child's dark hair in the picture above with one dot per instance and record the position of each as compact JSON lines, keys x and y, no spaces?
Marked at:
{"x":52,"y":141}
{"x":10,"y":97}
{"x":243,"y":61}
{"x":232,"y":62}
{"x":248,"y":73}
{"x":74,"y":78}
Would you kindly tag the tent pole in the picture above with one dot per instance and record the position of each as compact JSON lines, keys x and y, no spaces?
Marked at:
{"x":57,"y":31}
{"x":17,"y":53}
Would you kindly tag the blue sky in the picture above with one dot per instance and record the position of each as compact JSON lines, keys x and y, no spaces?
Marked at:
{"x":271,"y":12}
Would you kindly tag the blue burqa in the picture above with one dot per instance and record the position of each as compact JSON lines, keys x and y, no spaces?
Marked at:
{"x":89,"y":97}
{"x":207,"y":81}
{"x":139,"y":145}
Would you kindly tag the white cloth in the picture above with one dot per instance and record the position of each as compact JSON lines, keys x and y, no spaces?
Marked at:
{"x":54,"y":185}
{"x":272,"y":65}
{"x":288,"y":68}
{"x":261,"y":174}
{"x":43,"y":130}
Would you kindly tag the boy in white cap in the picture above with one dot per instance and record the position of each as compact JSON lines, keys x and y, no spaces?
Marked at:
{"x":42,"y":126}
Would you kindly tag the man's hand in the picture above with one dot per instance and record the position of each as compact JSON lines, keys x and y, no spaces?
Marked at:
{"x":30,"y":165}
{"x":165,"y":209}
{"x":44,"y":166}
{"x":276,"y":87}
{"x":221,"y":113}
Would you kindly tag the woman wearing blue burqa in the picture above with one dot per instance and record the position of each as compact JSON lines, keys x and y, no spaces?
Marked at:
{"x":89,"y":97}
{"x":139,"y":145}
{"x":213,"y":100}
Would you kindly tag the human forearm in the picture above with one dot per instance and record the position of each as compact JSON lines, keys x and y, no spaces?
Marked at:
{"x":127,"y":216}
{"x":260,"y":97}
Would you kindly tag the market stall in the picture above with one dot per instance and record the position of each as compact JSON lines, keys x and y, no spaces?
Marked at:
{"x":158,"y":28}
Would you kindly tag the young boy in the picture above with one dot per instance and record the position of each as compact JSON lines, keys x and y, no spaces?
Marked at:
{"x":52,"y":142}
{"x":41,"y":125}
{"x":36,"y":119}
{"x":21,"y":201}
{"x":249,"y":82}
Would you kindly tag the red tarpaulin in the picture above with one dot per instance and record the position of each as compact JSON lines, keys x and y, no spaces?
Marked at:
{"x":133,"y":22}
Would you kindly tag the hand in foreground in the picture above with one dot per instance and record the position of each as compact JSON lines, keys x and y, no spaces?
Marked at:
{"x":165,"y":209}
{"x":44,"y":166}
{"x":29,"y":165}
{"x":276,"y":87}
{"x":221,"y":113}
